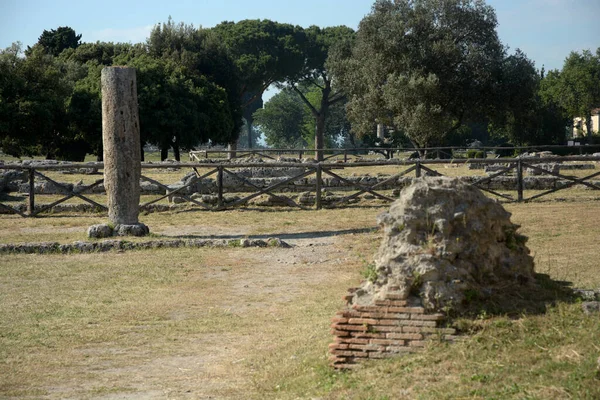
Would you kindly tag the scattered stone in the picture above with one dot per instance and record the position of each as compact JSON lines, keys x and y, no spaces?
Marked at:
{"x":138,"y":229}
{"x":550,"y":167}
{"x":590,"y":307}
{"x":100,"y":231}
{"x":587,"y":294}
{"x":178,"y":199}
{"x":571,"y":166}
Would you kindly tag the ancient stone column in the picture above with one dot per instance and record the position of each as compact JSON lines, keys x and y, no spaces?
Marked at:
{"x":121,"y":141}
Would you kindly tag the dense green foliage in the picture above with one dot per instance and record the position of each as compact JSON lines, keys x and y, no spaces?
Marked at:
{"x":432,"y":72}
{"x":316,"y":74}
{"x":522,"y":116}
{"x":188,"y":93}
{"x":287,"y":122}
{"x":55,"y":41}
{"x":576,"y":88}
{"x":265,"y":52}
{"x":422,"y":66}
{"x":35,"y":94}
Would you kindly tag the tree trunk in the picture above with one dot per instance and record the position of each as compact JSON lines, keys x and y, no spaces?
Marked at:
{"x":588,"y":125}
{"x":175,"y":146}
{"x":249,"y":132}
{"x":319,"y":137}
{"x":164,"y":153}
{"x":232,"y":147}
{"x":320,"y":117}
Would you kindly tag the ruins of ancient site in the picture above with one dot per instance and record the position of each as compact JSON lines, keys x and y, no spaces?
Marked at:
{"x":299,"y":201}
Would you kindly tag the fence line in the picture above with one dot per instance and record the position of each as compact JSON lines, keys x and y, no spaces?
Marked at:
{"x":317,"y":169}
{"x":198,"y":155}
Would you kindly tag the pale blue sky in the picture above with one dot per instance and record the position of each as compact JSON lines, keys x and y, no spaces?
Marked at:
{"x":546,"y":30}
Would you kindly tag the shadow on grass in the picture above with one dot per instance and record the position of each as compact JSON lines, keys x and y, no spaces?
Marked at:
{"x":516,"y":299}
{"x":279,"y":209}
{"x":282,"y":236}
{"x":4,"y":197}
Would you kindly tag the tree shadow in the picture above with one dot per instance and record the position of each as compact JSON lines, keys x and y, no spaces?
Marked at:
{"x":515,"y":299}
{"x":282,"y":236}
{"x":12,"y":198}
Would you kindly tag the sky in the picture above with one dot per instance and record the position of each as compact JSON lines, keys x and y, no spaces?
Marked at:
{"x":546,"y":30}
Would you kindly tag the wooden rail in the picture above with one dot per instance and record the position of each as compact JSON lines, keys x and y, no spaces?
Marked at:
{"x":518,"y":165}
{"x":447,"y":152}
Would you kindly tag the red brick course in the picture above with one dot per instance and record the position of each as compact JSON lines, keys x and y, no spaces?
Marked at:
{"x":385,"y":329}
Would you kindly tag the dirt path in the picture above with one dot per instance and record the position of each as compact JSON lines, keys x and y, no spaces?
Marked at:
{"x":223,"y":366}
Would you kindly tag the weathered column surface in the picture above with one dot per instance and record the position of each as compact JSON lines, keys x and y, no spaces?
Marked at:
{"x":121,"y":141}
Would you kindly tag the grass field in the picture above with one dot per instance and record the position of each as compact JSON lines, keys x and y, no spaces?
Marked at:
{"x":253,"y":323}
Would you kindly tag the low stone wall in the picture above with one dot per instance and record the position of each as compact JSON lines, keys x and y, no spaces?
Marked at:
{"x":385,"y":329}
{"x":110,"y":245}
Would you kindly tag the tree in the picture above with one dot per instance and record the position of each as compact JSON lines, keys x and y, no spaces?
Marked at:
{"x":265,"y":52}
{"x":102,"y":53}
{"x":204,"y":59}
{"x":522,"y":117}
{"x":576,"y":88}
{"x":247,"y":134}
{"x":55,"y":41}
{"x":422,"y":66}
{"x":34,"y":93}
{"x":178,"y":109}
{"x":84,"y":109}
{"x":288,"y":122}
{"x":283,"y":120}
{"x":315,"y":73}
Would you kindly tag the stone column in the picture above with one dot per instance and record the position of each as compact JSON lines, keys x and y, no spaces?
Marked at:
{"x":121,"y":141}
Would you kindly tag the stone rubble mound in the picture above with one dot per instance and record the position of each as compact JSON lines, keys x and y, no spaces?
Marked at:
{"x":445,"y":242}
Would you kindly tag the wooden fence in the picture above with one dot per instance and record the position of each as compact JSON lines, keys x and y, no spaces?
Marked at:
{"x":347,"y":154}
{"x":513,"y":166}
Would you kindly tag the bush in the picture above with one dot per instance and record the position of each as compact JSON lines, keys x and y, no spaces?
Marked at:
{"x":474,"y":153}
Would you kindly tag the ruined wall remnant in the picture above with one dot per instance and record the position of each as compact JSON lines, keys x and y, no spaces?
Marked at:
{"x":443,"y":241}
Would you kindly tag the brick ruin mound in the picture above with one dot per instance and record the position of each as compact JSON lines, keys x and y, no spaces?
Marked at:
{"x":444,"y":243}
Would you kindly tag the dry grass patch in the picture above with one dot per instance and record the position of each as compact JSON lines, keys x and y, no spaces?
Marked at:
{"x":254,"y":323}
{"x":164,"y":320}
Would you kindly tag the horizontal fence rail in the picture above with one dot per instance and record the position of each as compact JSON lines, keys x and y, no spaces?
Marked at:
{"x":309,"y":174}
{"x":389,"y":152}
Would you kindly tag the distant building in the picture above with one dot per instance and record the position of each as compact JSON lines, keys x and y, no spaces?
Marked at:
{"x":580,"y":126}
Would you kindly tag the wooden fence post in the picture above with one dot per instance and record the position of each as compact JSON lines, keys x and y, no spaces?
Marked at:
{"x":31,"y":191}
{"x":318,"y":186}
{"x":220,"y":185}
{"x":418,"y":169}
{"x":519,"y":181}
